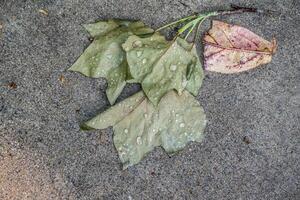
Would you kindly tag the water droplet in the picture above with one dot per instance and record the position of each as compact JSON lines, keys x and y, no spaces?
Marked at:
{"x":144,"y":61}
{"x":139,"y":140}
{"x":145,"y":115}
{"x":184,"y":83}
{"x":154,"y":130}
{"x":125,"y":130}
{"x":131,"y":107}
{"x":173,"y":67}
{"x":181,"y":125}
{"x":176,"y":115}
{"x":139,"y":53}
{"x":173,"y":111}
{"x":137,"y":43}
{"x":185,"y":133}
{"x":122,"y":154}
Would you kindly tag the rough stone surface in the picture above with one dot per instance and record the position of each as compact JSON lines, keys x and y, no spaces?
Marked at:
{"x":251,"y":148}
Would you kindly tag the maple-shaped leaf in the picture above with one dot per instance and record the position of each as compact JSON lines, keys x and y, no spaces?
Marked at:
{"x":161,"y":65}
{"x":232,"y":49}
{"x":105,"y":53}
{"x":139,"y":126}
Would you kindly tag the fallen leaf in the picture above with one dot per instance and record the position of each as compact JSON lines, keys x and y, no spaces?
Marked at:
{"x":12,"y":85}
{"x":43,"y":12}
{"x":62,"y":79}
{"x":139,"y":126}
{"x":232,"y":49}
{"x":105,"y":53}
{"x":161,"y":65}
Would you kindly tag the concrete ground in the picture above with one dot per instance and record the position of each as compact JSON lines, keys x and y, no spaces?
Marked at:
{"x":252,"y":142}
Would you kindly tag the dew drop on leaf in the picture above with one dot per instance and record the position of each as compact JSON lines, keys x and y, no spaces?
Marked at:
{"x":173,"y":67}
{"x":139,"y":53}
{"x":184,"y":83}
{"x":144,"y":61}
{"x":125,"y":130}
{"x":137,"y":43}
{"x":181,"y":125}
{"x":139,"y":140}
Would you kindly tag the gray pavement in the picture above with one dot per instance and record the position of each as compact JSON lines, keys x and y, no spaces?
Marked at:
{"x":251,"y":148}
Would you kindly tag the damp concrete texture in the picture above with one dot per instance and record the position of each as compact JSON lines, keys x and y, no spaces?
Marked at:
{"x":251,"y":148}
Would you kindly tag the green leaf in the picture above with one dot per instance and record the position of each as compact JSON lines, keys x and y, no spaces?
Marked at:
{"x":105,"y":53}
{"x":162,"y":65}
{"x":176,"y":121}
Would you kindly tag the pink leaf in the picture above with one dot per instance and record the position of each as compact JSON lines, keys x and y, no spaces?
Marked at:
{"x":232,"y":49}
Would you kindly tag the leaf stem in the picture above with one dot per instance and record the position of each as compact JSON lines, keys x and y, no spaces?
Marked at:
{"x":190,"y":22}
{"x":237,"y":10}
{"x":177,"y":22}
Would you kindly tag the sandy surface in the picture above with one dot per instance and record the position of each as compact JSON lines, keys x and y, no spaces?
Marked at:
{"x":251,"y":148}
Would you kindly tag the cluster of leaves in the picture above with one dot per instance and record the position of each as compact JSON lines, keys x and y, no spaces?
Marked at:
{"x":165,"y":113}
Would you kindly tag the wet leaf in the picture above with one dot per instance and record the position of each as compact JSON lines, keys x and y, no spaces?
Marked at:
{"x":162,"y":65}
{"x":139,"y":126}
{"x":105,"y":53}
{"x":12,"y":85}
{"x":43,"y":12}
{"x":232,"y":49}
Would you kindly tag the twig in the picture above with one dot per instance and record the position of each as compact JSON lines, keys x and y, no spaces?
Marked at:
{"x":239,"y":9}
